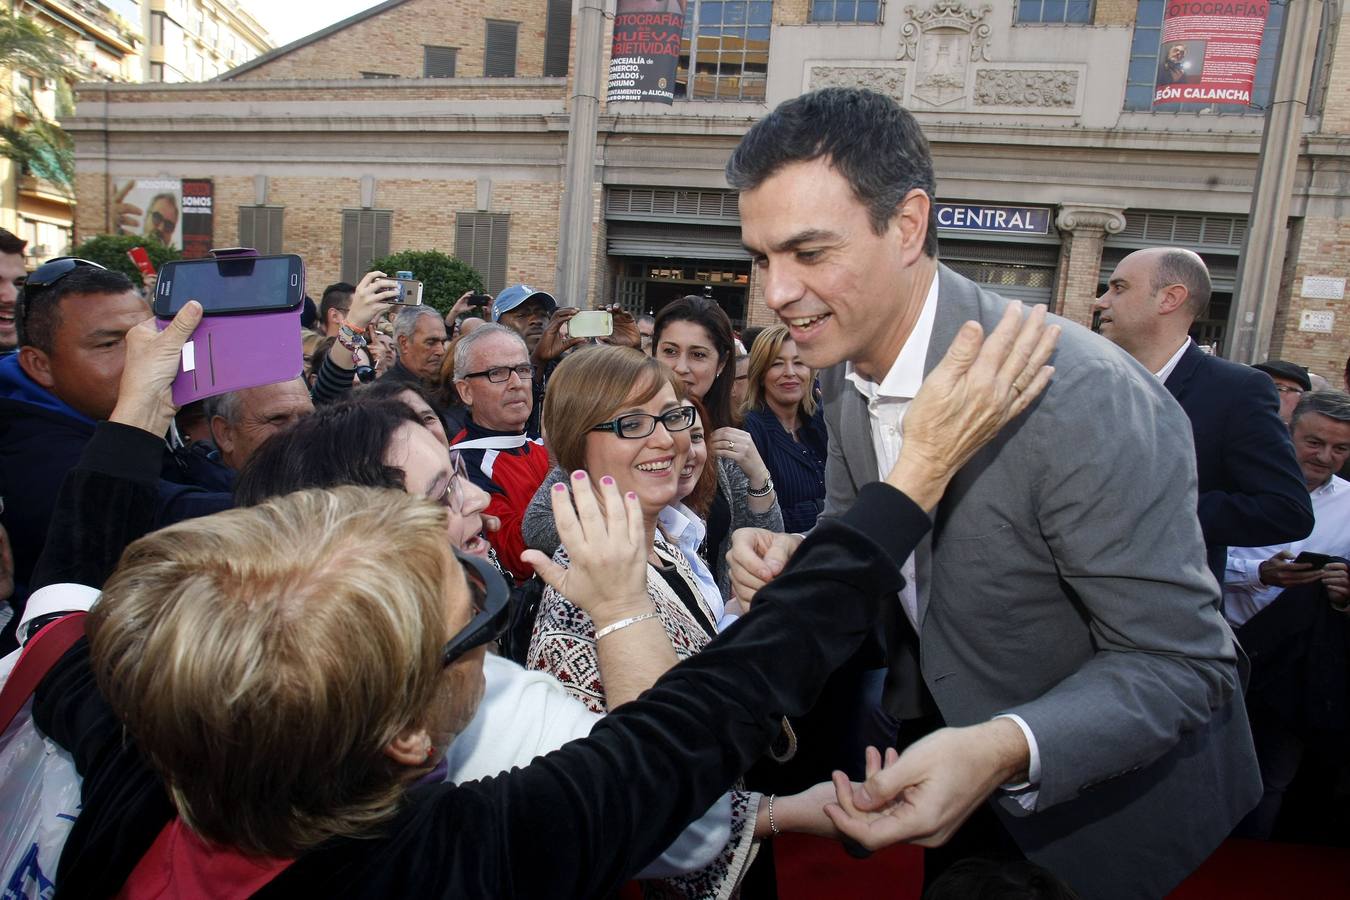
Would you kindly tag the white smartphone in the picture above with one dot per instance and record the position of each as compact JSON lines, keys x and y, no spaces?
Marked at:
{"x":591,"y":323}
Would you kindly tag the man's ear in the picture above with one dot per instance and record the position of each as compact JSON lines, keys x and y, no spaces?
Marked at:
{"x":410,"y":747}
{"x":910,"y":223}
{"x":37,"y":366}
{"x":1173,"y":298}
{"x":465,"y":392}
{"x":221,"y":435}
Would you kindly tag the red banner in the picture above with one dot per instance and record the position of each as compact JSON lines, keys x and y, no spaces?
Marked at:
{"x":645,"y":51}
{"x":1208,"y":51}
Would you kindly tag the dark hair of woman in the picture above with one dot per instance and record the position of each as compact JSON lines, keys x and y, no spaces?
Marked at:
{"x":700,"y":499}
{"x":340,"y":444}
{"x":705,"y":312}
{"x":387,"y":389}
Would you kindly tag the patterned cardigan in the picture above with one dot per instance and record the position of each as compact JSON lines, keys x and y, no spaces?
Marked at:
{"x":563,"y":645}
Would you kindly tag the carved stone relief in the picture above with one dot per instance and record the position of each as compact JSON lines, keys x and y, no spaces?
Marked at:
{"x":943,"y":40}
{"x":885,"y":80}
{"x":1026,"y":88}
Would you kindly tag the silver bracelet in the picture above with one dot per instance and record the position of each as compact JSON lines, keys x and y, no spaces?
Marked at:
{"x":763,"y":491}
{"x":773,"y":826}
{"x":623,"y":623}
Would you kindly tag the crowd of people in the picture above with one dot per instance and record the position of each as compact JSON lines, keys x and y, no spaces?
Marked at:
{"x":475,"y":607}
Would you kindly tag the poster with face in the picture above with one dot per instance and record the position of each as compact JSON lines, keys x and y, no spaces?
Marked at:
{"x":152,"y":207}
{"x":1208,"y":51}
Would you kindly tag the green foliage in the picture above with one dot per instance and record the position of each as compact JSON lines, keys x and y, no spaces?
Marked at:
{"x":28,"y":46}
{"x":111,"y":250}
{"x":43,"y":149}
{"x":444,"y":278}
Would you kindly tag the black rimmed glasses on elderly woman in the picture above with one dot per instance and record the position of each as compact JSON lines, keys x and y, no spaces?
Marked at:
{"x":43,"y":277}
{"x":490,"y":594}
{"x":636,"y":426}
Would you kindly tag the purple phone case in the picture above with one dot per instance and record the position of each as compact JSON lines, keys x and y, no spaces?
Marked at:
{"x":230,"y":353}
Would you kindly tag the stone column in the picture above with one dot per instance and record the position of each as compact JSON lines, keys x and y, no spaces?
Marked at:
{"x":1085,"y":227}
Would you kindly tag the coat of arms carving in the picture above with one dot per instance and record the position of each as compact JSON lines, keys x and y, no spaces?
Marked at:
{"x":943,"y":40}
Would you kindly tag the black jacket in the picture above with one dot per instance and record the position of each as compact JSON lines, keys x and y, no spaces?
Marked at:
{"x":576,"y":823}
{"x":1252,"y":491}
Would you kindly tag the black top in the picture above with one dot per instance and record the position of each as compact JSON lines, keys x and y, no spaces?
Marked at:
{"x":576,"y":823}
{"x":797,"y":465}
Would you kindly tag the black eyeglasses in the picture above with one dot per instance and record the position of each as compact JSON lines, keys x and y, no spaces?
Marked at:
{"x":490,"y":596}
{"x":43,"y":277}
{"x":498,"y":374}
{"x":638,"y":425}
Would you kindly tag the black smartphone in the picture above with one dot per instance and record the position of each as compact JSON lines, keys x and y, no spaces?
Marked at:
{"x":238,"y":284}
{"x":480,"y":300}
{"x":1316,"y":560}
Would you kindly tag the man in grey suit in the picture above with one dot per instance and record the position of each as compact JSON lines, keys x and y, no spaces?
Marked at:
{"x":1067,"y":627}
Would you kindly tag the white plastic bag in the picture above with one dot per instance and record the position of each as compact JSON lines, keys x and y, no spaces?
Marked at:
{"x":40,"y":798}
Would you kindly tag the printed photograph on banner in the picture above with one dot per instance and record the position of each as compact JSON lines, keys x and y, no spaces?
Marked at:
{"x":198,"y":217}
{"x":1208,"y":51}
{"x":152,"y":207}
{"x":646,"y":51}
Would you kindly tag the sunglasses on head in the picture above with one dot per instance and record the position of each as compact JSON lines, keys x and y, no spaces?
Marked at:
{"x":42,"y":278}
{"x":490,"y":594}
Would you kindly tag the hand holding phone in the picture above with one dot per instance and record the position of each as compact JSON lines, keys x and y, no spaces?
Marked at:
{"x":1316,"y":560}
{"x":591,"y":323}
{"x":480,"y":300}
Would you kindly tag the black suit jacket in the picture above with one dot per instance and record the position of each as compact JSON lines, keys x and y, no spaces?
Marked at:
{"x":1252,"y":492}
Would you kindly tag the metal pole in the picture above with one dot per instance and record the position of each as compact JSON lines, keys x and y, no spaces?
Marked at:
{"x":1252,"y":317}
{"x":575,"y":232}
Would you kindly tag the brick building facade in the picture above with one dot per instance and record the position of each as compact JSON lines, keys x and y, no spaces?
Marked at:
{"x":1050,"y":117}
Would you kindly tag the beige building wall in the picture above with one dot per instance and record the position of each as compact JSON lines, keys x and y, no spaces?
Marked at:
{"x":391,"y":43}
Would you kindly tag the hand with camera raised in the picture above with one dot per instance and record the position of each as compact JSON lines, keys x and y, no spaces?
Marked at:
{"x":460,"y":308}
{"x":374,"y":295}
{"x":145,"y":395}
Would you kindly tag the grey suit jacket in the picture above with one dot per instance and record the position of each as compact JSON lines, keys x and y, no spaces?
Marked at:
{"x":1065,"y":582}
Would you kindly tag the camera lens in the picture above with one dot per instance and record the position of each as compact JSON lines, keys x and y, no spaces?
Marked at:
{"x":365,"y":374}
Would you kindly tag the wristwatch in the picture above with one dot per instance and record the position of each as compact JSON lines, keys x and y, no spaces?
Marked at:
{"x":764,"y":491}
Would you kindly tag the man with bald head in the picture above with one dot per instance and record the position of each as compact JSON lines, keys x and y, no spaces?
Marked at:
{"x":1251,"y":487}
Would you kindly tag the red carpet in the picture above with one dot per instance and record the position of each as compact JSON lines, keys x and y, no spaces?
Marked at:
{"x":813,"y":868}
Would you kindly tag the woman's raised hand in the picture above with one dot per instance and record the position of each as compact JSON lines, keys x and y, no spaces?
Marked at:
{"x":607,"y":546}
{"x":980,"y":385}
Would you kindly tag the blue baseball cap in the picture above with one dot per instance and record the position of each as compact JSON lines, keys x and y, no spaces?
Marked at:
{"x":517,"y":294}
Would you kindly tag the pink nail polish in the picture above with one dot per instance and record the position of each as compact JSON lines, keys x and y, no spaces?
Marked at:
{"x":579,"y":475}
{"x":631,"y":495}
{"x":606,"y":481}
{"x":559,"y":488}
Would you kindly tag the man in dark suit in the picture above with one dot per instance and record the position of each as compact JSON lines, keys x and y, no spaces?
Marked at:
{"x":1251,"y":488}
{"x":1070,"y":635}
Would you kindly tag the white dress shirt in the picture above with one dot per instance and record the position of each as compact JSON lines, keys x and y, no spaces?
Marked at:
{"x":887,"y":403}
{"x":1171,"y":364}
{"x":1244,"y":594}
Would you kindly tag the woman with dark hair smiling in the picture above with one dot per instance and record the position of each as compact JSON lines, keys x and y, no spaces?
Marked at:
{"x":693,"y":337}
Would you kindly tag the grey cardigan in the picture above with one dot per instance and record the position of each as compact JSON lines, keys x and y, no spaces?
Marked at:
{"x":540,"y":532}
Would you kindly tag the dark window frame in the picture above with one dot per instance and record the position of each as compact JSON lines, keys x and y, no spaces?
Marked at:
{"x":273,"y":224}
{"x":493,"y":58}
{"x":434,"y":57}
{"x":847,"y":12}
{"x":373,"y":232}
{"x":1055,"y":12}
{"x":483,"y":241}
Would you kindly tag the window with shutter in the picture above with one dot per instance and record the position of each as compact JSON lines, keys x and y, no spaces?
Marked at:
{"x":481,"y":241}
{"x":365,"y":235}
{"x":438,"y":62}
{"x":260,"y":228}
{"x":499,"y":49}
{"x":557,"y":35}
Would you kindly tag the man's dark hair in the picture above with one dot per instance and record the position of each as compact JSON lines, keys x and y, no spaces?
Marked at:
{"x":868,"y":138}
{"x":11,"y":243}
{"x":335,"y":296}
{"x":1186,"y":268}
{"x":40,"y":316}
{"x":1332,"y":404}
{"x":996,"y":879}
{"x":339,"y":444}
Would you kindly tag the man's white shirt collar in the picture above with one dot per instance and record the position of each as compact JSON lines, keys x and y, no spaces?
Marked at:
{"x":1166,"y":370}
{"x":906,"y":373}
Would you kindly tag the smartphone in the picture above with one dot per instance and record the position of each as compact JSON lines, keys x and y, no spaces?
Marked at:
{"x":409,"y":292}
{"x":591,"y":323}
{"x":231,"y":285}
{"x":480,"y":300}
{"x":141,"y":260}
{"x":1316,"y":560}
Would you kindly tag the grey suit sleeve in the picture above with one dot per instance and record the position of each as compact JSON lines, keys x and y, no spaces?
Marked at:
{"x":1163,"y":658}
{"x":840,"y":489}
